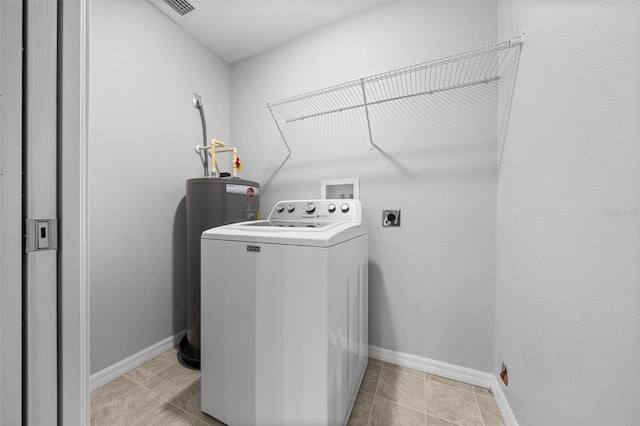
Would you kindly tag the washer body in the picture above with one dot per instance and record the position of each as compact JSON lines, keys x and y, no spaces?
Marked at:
{"x":284,"y":316}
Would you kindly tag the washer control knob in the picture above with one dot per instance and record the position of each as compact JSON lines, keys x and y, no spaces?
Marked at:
{"x":291,"y":208}
{"x":344,"y":207}
{"x":280,"y":208}
{"x":331,"y":207}
{"x":310,"y":208}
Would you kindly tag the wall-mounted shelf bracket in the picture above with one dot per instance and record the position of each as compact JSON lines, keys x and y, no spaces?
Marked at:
{"x":366,"y":111}
{"x":281,"y":134}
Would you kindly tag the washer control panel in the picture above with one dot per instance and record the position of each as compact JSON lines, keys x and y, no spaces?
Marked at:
{"x":333,"y":210}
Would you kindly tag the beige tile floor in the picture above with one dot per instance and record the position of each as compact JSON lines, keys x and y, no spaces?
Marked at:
{"x":163,"y":392}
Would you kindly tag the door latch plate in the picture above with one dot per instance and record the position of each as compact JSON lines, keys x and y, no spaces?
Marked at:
{"x":41,"y":234}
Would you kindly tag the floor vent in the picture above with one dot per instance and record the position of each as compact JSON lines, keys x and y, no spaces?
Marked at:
{"x":181,"y":7}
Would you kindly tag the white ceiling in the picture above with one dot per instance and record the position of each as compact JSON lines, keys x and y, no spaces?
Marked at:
{"x":237,"y":29}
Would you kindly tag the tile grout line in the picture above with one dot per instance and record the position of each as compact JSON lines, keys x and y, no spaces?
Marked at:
{"x":155,"y":375}
{"x":160,"y":396}
{"x":422,"y":373}
{"x":396,"y":402}
{"x":148,"y":378}
{"x":403,"y":405}
{"x":176,"y":392}
{"x":438,"y":417}
{"x":424,"y":387}
{"x":188,"y":413}
{"x":495,"y":402}
{"x":147,"y":388}
{"x":183,"y":410}
{"x":479,"y":410}
{"x":116,"y":397}
{"x":375,"y":393}
{"x":445,"y":420}
{"x":92,"y":412}
{"x":150,"y":409}
{"x":172,"y":395}
{"x":371,"y":410}
{"x":183,"y":388}
{"x":452,"y":386}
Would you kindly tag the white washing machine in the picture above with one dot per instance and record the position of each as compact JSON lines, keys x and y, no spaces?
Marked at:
{"x":284,"y":315}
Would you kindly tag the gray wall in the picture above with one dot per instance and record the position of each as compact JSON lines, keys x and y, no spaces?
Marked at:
{"x":431,"y":281}
{"x":143,"y":71}
{"x":568,"y":298}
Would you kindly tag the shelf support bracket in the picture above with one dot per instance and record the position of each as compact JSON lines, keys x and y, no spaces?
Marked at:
{"x":366,"y":111}
{"x":281,"y":133}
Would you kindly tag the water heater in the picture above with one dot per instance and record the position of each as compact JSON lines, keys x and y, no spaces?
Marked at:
{"x":211,"y":202}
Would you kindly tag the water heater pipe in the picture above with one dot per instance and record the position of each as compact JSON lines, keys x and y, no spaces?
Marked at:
{"x":218,"y":144}
{"x":213,"y":149}
{"x":204,"y":136}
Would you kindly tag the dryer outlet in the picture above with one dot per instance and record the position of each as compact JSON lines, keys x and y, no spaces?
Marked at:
{"x":390,"y":218}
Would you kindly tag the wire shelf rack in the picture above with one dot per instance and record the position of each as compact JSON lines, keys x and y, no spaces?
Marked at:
{"x":476,"y":66}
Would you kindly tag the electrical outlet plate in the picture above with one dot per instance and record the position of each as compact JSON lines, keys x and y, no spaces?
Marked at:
{"x":196,"y":100}
{"x":390,"y":218}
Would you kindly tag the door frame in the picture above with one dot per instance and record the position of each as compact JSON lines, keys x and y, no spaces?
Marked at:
{"x":73,"y":255}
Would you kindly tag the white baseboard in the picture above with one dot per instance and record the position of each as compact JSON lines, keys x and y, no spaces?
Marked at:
{"x":501,"y":399}
{"x":450,"y":371}
{"x":118,"y":369}
{"x":439,"y":368}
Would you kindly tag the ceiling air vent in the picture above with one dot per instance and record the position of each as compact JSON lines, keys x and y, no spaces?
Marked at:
{"x":181,"y":7}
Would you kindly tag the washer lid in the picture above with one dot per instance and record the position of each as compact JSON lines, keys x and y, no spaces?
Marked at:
{"x":325,"y":234}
